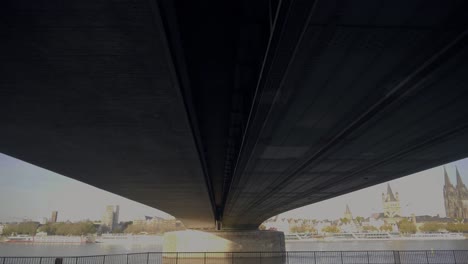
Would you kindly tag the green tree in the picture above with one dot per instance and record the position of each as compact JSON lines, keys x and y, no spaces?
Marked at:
{"x":9,"y":230}
{"x":312,"y":229}
{"x":303,"y":228}
{"x":359,"y":219}
{"x":386,"y":228}
{"x":25,"y":228}
{"x":69,"y":229}
{"x":49,"y":228}
{"x":85,"y":228}
{"x":457,"y":227}
{"x":331,"y":229}
{"x":432,"y":227}
{"x":407,"y":227}
{"x":134,"y":229}
{"x":344,"y":220}
{"x":369,"y":229}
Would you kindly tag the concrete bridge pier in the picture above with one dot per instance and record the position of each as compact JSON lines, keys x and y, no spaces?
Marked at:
{"x":239,"y":247}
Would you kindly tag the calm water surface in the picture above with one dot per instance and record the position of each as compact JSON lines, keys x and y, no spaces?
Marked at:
{"x":10,"y":249}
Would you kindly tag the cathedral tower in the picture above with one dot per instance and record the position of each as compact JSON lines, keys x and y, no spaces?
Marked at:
{"x":450,"y":197}
{"x":462,"y":192}
{"x":455,"y":197}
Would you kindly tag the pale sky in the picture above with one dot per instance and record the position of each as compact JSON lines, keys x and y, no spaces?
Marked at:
{"x":27,"y":191}
{"x":420,"y":193}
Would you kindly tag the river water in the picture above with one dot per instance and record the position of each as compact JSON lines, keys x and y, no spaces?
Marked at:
{"x":15,"y":249}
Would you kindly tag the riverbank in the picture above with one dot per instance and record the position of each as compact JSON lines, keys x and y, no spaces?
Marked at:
{"x":155,"y":245}
{"x":374,"y":236}
{"x":106,"y":238}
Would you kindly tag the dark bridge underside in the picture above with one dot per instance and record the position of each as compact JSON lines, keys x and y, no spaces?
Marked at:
{"x":233,"y":110}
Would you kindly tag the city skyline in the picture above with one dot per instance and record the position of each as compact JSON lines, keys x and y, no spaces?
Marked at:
{"x":36,"y":191}
{"x":420,"y":193}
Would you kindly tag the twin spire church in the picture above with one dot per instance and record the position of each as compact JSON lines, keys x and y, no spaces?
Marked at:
{"x":455,"y":197}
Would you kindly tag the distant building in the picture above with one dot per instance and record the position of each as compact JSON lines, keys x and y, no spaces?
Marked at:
{"x":376,"y":220}
{"x":391,"y":206}
{"x":455,"y":197}
{"x":351,"y":226}
{"x":115,"y":218}
{"x":156,"y":224}
{"x":53,"y":218}
{"x":148,"y":220}
{"x":348,"y":214}
{"x":111,"y":217}
{"x":429,"y":218}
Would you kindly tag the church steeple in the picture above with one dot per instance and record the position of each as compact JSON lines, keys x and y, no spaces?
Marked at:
{"x":447,"y":179}
{"x":347,"y":210}
{"x":348,"y":214}
{"x":391,"y":205}
{"x":390,"y":196}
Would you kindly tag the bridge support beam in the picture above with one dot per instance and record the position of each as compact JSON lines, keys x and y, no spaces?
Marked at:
{"x":224,"y":241}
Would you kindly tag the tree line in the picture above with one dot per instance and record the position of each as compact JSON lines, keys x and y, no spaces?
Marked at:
{"x":408,"y":227}
{"x":66,"y":229}
{"x":25,"y":228}
{"x":62,"y":228}
{"x":405,"y":226}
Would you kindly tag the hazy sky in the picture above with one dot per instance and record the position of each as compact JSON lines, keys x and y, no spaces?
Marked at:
{"x":27,"y":191}
{"x":420,"y":193}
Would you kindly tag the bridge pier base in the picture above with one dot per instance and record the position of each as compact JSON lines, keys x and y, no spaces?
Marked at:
{"x":224,"y":241}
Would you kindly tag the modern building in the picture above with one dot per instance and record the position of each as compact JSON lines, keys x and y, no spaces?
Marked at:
{"x":115,"y":218}
{"x":391,"y":206}
{"x":110,"y":218}
{"x":455,"y":197}
{"x":53,"y":218}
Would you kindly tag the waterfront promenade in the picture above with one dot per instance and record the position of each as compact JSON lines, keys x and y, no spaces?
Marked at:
{"x":289,"y":257}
